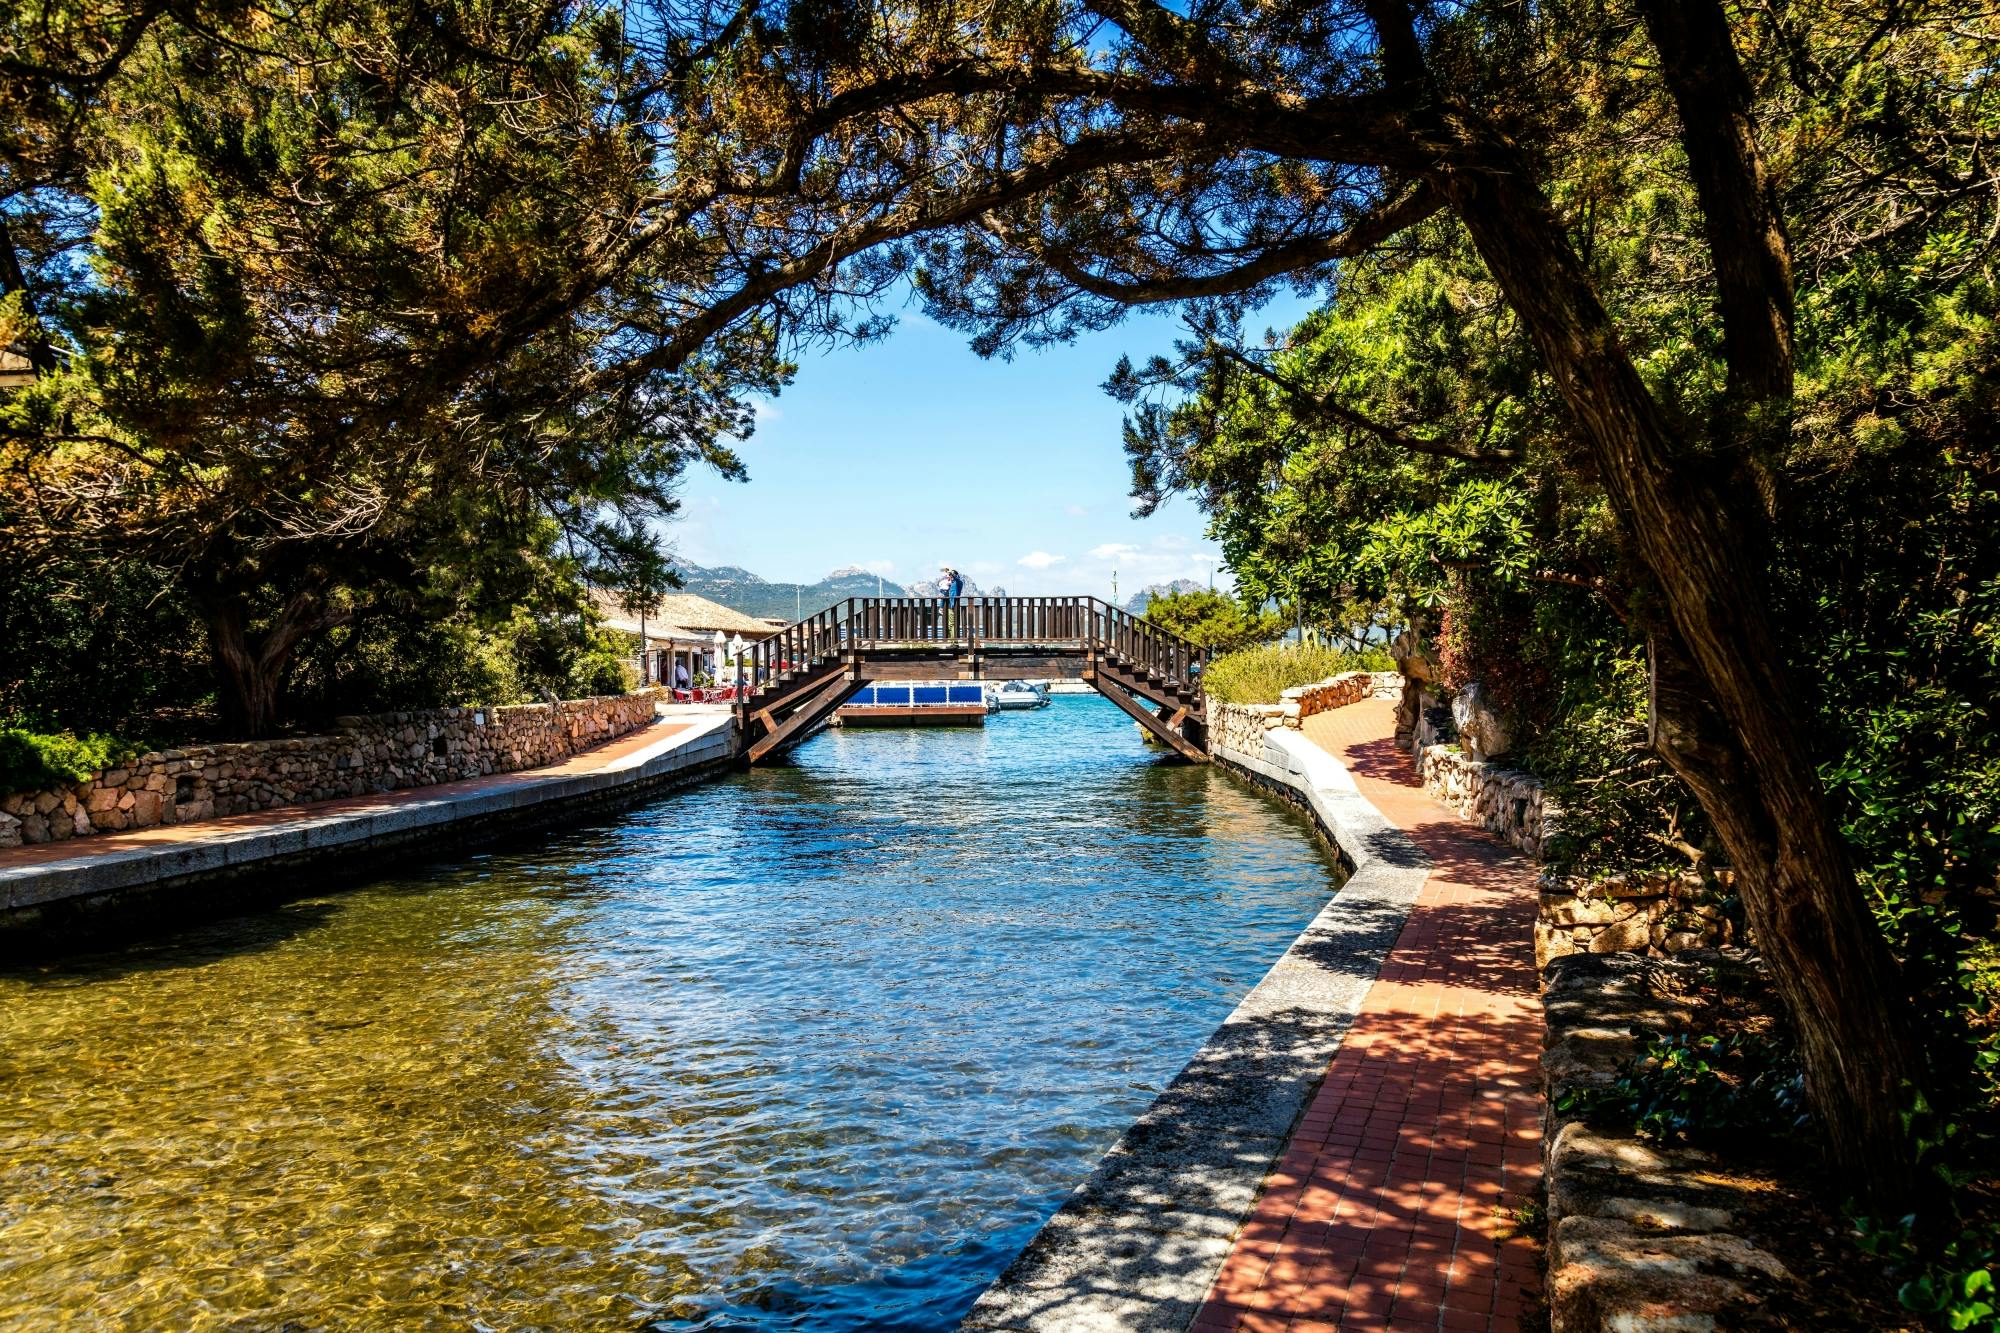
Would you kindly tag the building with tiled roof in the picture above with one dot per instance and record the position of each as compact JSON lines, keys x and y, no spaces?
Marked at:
{"x":681,"y":627}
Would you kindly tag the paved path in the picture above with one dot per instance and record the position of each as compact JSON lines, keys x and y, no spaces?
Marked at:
{"x":1390,"y":1206}
{"x":229,"y":827}
{"x":82,"y":867}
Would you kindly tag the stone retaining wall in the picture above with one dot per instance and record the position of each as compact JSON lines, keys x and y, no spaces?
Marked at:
{"x":1500,"y":800}
{"x":1643,"y":1236}
{"x":1650,"y":912}
{"x":381,"y":752}
{"x":1241,"y":727}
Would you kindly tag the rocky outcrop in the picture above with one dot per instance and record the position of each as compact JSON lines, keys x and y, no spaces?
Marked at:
{"x":1417,"y":671}
{"x":361,"y":755}
{"x":1642,"y":1236}
{"x":1481,"y":725}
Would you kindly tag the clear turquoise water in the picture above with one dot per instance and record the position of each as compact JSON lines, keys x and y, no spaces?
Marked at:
{"x":816,"y":1047}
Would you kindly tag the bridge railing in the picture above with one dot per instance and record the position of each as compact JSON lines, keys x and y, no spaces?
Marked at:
{"x":860,"y":624}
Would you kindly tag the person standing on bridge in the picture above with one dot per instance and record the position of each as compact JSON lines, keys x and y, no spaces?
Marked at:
{"x":952,"y":585}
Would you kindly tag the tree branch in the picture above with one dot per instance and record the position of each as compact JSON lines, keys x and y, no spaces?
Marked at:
{"x":929,"y":215}
{"x":1176,"y":44}
{"x":1739,"y":204}
{"x":1324,"y":405}
{"x":1276,"y":261}
{"x":128,"y":39}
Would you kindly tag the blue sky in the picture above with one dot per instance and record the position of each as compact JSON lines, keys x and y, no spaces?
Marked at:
{"x":914,"y":451}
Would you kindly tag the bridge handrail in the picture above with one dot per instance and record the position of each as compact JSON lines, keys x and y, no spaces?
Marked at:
{"x":859,"y":623}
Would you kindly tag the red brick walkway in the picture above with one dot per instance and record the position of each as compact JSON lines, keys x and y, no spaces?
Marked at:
{"x":1389,"y":1207}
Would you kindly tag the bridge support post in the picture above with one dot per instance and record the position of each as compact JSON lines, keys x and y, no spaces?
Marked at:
{"x":1147,"y":718}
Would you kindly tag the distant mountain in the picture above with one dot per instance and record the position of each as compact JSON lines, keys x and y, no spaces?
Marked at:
{"x":1144,"y":597}
{"x":740,"y":590}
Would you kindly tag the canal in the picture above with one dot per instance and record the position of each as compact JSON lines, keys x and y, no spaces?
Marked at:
{"x":818,"y":1046}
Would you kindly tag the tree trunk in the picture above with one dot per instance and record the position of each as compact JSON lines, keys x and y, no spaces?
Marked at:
{"x":1725,"y":719}
{"x":250,"y":664}
{"x":247,"y":680}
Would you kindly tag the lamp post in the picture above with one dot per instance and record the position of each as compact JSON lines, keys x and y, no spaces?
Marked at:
{"x":736,"y":647}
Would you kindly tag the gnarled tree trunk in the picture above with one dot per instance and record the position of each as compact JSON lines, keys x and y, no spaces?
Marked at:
{"x":1724,"y":717}
{"x":250,"y":664}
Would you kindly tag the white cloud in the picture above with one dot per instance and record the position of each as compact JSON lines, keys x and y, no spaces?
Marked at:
{"x":1040,"y":560}
{"x":1151,"y":559}
{"x":1075,"y":511}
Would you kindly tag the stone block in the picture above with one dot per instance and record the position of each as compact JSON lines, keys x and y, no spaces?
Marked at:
{"x":1571,"y":910}
{"x":1631,"y":935}
{"x":1607,"y":1273}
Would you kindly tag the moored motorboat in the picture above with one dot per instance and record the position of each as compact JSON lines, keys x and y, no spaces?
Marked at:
{"x":1019,"y":694}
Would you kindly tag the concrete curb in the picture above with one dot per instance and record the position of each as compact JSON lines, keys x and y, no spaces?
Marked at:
{"x":75,"y":886}
{"x":1139,"y":1243}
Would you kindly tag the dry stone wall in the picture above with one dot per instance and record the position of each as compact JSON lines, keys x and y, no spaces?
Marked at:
{"x":381,"y":752}
{"x":1241,"y":727}
{"x":1654,"y":913}
{"x":1499,"y":799}
{"x":1642,"y":1235}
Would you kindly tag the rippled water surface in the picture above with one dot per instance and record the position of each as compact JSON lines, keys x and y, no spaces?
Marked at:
{"x":814,"y":1047}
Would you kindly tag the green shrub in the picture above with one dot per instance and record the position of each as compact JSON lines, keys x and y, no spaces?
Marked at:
{"x":30,"y":760}
{"x":1708,"y":1089}
{"x":1622,"y":808}
{"x":1952,"y":1283}
{"x":600,"y":669}
{"x":1260,"y":675}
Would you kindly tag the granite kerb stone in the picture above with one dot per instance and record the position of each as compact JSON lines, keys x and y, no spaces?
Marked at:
{"x":1138,"y":1244}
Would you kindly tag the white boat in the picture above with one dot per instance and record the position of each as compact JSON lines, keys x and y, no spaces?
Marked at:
{"x":1019,"y":694}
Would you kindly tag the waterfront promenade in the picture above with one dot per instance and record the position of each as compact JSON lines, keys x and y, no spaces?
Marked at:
{"x":158,"y":858}
{"x":1392,"y":1206}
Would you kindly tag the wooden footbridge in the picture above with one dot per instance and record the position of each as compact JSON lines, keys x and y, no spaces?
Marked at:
{"x":796,"y":678}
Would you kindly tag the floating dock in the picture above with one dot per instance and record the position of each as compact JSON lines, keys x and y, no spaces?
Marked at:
{"x":946,"y":705}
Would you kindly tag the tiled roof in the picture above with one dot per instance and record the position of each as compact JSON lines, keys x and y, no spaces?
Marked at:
{"x":680,"y":615}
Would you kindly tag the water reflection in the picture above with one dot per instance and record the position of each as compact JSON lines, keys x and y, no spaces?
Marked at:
{"x":816,"y":1047}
